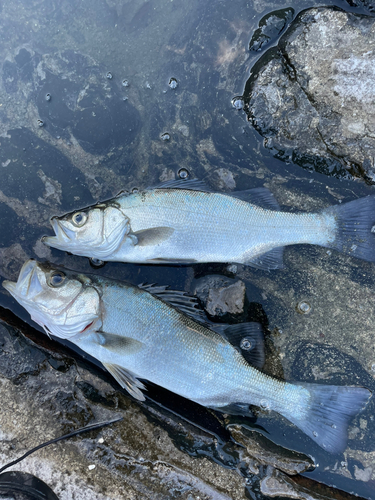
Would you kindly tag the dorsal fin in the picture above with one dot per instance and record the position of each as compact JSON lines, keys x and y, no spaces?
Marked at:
{"x":191,"y":184}
{"x":262,"y":197}
{"x":181,"y":300}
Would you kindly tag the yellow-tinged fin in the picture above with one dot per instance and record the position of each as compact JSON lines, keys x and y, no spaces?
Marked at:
{"x":127,"y":380}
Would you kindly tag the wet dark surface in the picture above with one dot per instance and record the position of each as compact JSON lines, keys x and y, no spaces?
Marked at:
{"x":92,"y":143}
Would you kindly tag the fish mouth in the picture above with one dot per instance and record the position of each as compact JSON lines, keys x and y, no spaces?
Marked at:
{"x":63,"y":235}
{"x":28,"y":283}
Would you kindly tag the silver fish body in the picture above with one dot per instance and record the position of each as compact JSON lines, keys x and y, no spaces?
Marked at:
{"x":177,"y":225}
{"x":136,"y":335}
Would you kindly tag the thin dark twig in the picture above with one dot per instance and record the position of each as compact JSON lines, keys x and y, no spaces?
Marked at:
{"x":90,"y":427}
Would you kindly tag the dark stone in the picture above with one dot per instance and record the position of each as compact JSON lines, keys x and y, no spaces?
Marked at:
{"x":270,"y":27}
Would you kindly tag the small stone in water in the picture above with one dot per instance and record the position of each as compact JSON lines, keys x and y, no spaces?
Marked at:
{"x":173,"y":83}
{"x":183,"y":173}
{"x":135,"y":190}
{"x":165,"y":136}
{"x":91,"y":467}
{"x":373,"y":229}
{"x":125,"y":83}
{"x":232,"y":268}
{"x":48,"y":97}
{"x":40,"y":123}
{"x":109,"y":75}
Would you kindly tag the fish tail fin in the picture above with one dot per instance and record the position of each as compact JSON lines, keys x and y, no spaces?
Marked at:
{"x":355,"y":230}
{"x":329,"y":410}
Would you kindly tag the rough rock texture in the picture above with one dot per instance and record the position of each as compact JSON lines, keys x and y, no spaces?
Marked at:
{"x":221,"y":296}
{"x":313,"y":97}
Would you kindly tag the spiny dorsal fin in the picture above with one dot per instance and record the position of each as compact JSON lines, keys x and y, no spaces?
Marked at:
{"x":181,"y":300}
{"x":127,"y":380}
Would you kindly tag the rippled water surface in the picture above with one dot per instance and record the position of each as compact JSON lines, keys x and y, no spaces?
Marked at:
{"x":100,"y":96}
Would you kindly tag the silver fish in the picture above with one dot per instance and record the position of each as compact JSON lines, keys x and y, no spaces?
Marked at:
{"x":179,"y":222}
{"x":139,"y":335}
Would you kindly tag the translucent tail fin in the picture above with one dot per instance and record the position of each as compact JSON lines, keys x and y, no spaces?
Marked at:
{"x":355,"y":228}
{"x":330,"y":409}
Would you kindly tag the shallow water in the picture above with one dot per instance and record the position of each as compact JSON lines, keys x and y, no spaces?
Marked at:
{"x":72,"y":132}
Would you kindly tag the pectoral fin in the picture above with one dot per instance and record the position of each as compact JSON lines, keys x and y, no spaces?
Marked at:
{"x":153,"y":236}
{"x":127,"y":380}
{"x":119,"y":344}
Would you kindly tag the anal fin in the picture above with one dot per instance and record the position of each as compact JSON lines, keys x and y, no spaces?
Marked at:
{"x":127,"y":380}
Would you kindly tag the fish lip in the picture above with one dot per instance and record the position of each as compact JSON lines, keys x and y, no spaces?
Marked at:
{"x":20,"y":288}
{"x":61,"y":236}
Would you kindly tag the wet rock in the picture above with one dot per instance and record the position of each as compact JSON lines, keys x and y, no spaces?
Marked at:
{"x":312,"y":98}
{"x":221,"y":296}
{"x":270,"y":27}
{"x":278,"y":484}
{"x":222,"y":179}
{"x":264,"y":452}
{"x":133,"y":459}
{"x":367,"y":4}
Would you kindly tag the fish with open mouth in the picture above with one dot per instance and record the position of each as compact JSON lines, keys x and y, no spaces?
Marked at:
{"x":155,"y":334}
{"x":182,"y":222}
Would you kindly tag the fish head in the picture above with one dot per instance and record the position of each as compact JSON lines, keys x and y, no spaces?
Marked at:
{"x":96,"y":232}
{"x":62,"y":302}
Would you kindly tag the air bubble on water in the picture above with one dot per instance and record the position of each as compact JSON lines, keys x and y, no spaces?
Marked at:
{"x":48,"y":97}
{"x":303,"y":307}
{"x":125,"y":83}
{"x":238,"y":102}
{"x":183,"y":173}
{"x":135,"y":190}
{"x":315,"y":434}
{"x":246,"y":344}
{"x":334,"y":426}
{"x":373,"y":229}
{"x":264,"y":404}
{"x":125,"y":98}
{"x":109,"y":75}
{"x":40,"y":123}
{"x":353,"y":248}
{"x":96,"y":263}
{"x":329,"y":253}
{"x":173,"y":83}
{"x":165,"y":136}
{"x":148,"y":86}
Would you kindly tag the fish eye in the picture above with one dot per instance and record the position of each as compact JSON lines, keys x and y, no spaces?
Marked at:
{"x":56,"y":279}
{"x":79,"y":219}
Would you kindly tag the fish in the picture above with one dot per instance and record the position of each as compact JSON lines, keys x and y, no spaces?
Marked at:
{"x":182,"y":222}
{"x":151,"y":333}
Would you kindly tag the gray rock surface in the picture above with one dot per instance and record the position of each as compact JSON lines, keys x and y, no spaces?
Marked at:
{"x":221,"y":296}
{"x":313,"y":98}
